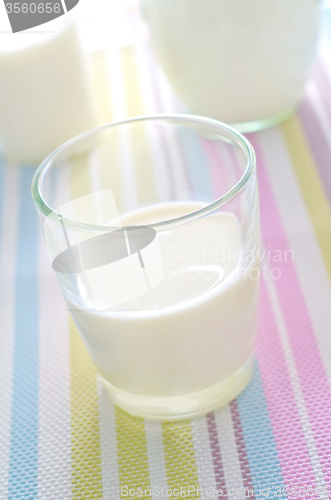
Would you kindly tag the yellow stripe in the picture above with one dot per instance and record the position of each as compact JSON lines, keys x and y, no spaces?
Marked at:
{"x":85,"y":437}
{"x":140,"y":146}
{"x":109,"y":158}
{"x":85,"y":427}
{"x":311,"y":186}
{"x":80,"y":176}
{"x":133,"y":100}
{"x":109,"y":165}
{"x":132,"y":453}
{"x":179,"y":457}
{"x":101,"y":88}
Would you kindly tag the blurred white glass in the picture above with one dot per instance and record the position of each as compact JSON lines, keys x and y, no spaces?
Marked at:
{"x":45,"y":89}
{"x":240,"y":62}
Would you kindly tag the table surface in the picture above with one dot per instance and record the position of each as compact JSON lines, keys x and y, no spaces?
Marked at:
{"x":61,"y":438}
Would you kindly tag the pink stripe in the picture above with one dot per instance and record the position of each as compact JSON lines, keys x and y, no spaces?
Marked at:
{"x":234,"y":161}
{"x":289,"y":437}
{"x":215,"y":168}
{"x":220,"y":165}
{"x":241,"y":448}
{"x":318,"y":143}
{"x":216,"y":455}
{"x":308,"y":361}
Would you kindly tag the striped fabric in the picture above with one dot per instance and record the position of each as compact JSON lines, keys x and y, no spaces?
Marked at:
{"x":60,"y":437}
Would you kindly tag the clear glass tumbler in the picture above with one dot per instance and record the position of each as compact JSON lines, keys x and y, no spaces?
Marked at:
{"x":152,"y":227}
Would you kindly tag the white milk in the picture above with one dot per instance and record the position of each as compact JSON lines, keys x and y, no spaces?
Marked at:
{"x":235,"y":60}
{"x":193,"y":331}
{"x":45,"y":97}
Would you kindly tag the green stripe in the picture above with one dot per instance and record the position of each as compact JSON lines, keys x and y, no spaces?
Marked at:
{"x":85,"y":433}
{"x":132,"y":454}
{"x":180,"y":458}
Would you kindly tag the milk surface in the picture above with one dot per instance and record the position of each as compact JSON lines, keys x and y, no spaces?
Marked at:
{"x":235,"y":60}
{"x":195,"y":329}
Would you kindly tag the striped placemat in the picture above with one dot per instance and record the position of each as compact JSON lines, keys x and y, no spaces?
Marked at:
{"x":60,"y":437}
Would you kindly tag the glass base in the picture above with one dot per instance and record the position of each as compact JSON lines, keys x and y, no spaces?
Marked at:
{"x":186,"y":406}
{"x":257,"y":125}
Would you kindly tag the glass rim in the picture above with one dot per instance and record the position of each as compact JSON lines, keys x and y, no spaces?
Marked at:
{"x":239,"y":139}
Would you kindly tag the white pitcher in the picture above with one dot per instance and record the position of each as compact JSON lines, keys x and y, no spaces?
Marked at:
{"x":243,"y":62}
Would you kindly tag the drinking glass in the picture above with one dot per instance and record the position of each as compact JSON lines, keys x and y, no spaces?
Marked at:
{"x":152,"y":227}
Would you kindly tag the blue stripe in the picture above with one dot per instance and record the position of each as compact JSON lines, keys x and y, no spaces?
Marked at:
{"x":2,"y":198}
{"x":259,"y":439}
{"x":326,"y":22}
{"x":23,"y":466}
{"x":197,"y":165}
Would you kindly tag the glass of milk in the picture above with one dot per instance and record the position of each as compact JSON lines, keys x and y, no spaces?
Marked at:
{"x":238,"y":61}
{"x":152,"y":227}
{"x":45,"y":90}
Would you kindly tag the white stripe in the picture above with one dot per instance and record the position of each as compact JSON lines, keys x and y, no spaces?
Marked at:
{"x":161,"y":177}
{"x":95,"y":181}
{"x":295,"y":383}
{"x":117,"y":97}
{"x":54,"y":441}
{"x":170,"y":100}
{"x":325,"y":53}
{"x":230,"y":458}
{"x":168,"y":97}
{"x":156,"y":462}
{"x":116,"y":87}
{"x":145,"y":82}
{"x":153,"y":135}
{"x":203,"y":455}
{"x":8,"y":250}
{"x":168,"y":106}
{"x":108,"y":445}
{"x":308,"y":260}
